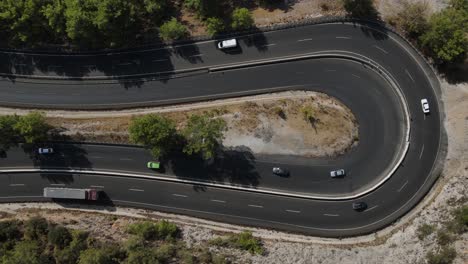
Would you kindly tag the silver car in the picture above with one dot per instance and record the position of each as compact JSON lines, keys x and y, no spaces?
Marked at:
{"x":337,"y":173}
{"x":425,"y":105}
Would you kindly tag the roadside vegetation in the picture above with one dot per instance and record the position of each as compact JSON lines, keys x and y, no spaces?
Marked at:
{"x":445,"y":235}
{"x":39,"y":241}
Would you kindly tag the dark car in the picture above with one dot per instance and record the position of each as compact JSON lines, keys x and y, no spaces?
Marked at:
{"x":359,"y":206}
{"x":280,"y":172}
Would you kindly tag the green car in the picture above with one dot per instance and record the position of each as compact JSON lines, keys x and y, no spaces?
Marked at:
{"x":153,"y":164}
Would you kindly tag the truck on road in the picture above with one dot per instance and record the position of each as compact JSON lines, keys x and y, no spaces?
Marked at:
{"x":69,"y":193}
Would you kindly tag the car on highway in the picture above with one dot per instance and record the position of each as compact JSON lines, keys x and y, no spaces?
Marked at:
{"x":45,"y":150}
{"x":337,"y":173}
{"x":153,"y":165}
{"x":281,"y":172}
{"x":359,"y":206}
{"x":227,"y":44}
{"x":425,"y":105}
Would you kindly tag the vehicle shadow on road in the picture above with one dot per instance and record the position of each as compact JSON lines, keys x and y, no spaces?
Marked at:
{"x":229,"y":167}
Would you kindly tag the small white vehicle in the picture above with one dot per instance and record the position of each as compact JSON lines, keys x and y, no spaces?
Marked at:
{"x":337,"y":173}
{"x":425,"y":105}
{"x":227,"y":44}
{"x":45,"y":150}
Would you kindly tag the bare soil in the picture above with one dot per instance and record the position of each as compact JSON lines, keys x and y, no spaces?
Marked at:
{"x":273,"y":125}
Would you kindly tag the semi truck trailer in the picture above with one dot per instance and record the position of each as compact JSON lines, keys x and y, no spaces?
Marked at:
{"x":69,"y":193}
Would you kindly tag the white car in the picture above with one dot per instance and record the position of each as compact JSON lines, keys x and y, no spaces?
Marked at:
{"x":425,"y":105}
{"x":337,"y":173}
{"x":228,"y":43}
{"x":45,"y":150}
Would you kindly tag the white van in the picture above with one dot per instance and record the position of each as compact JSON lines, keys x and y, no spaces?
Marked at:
{"x":227,"y":44}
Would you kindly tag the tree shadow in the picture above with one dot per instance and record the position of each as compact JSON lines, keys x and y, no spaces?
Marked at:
{"x":230,"y":166}
{"x":362,"y":9}
{"x":454,"y":73}
{"x":257,"y":39}
{"x":372,"y":30}
{"x":188,"y":51}
{"x":283,"y":5}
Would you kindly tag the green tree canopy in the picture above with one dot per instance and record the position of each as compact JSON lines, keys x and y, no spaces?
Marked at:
{"x":214,"y":25}
{"x":25,"y":252}
{"x":241,"y":19}
{"x":59,"y":236}
{"x":36,"y":228}
{"x":8,"y":135}
{"x":203,"y":135}
{"x":172,"y":30}
{"x":446,"y":40}
{"x":33,"y":127}
{"x":154,"y":131}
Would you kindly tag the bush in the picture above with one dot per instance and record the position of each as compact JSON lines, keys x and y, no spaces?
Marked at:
{"x":141,"y":256}
{"x":33,"y":127}
{"x":172,"y":30}
{"x":245,"y":241}
{"x":214,"y":25}
{"x":444,"y":238}
{"x":165,"y":252}
{"x":360,"y":8}
{"x":8,"y":135}
{"x":411,"y":19}
{"x":167,"y":230}
{"x":424,"y":230}
{"x":36,"y":228}
{"x":445,"y":255}
{"x":59,"y":236}
{"x":25,"y":252}
{"x":134,"y":243}
{"x":308,"y":113}
{"x":9,"y":230}
{"x":151,"y":231}
{"x":241,"y":19}
{"x":459,"y":224}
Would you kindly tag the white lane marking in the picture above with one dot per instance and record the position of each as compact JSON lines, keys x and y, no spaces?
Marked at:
{"x":343,"y":37}
{"x":124,"y":64}
{"x":179,"y":195}
{"x":197,"y":55}
{"x":254,"y":205}
{"x":136,"y":190}
{"x":218,"y":201}
{"x":57,"y":184}
{"x":403,"y":186}
{"x":330,"y":70}
{"x":96,"y":186}
{"x":331,"y":214}
{"x":422,"y":150}
{"x":125,"y":159}
{"x":16,"y":184}
{"x":372,"y":208}
{"x":293,"y":211}
{"x":21,"y":92}
{"x":96,"y":157}
{"x":357,"y":76}
{"x":411,"y":77}
{"x":301,"y":40}
{"x":379,"y":48}
{"x":269,"y":45}
{"x":159,"y":60}
{"x":49,"y":93}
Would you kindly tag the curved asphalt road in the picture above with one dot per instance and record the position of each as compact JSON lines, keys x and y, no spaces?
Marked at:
{"x":372,"y":101}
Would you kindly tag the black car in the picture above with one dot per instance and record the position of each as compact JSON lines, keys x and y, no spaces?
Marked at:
{"x":359,"y":206}
{"x":280,"y":172}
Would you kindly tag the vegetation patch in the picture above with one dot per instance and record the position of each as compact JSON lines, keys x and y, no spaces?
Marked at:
{"x":244,"y":241}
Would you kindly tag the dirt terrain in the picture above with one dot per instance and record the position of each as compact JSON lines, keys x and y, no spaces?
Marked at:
{"x":271,"y":124}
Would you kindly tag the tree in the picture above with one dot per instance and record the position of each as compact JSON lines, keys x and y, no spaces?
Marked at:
{"x":241,"y":19}
{"x":111,"y":254}
{"x":25,"y":252}
{"x":142,"y":256}
{"x":8,"y":135}
{"x":205,"y":8}
{"x":172,"y":30}
{"x":33,"y":127}
{"x":214,"y":25}
{"x":36,"y":228}
{"x":203,"y":135}
{"x":360,"y":8}
{"x":446,"y":40}
{"x":154,"y":131}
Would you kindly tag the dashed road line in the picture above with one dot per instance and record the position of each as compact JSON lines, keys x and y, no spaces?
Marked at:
{"x":179,"y":195}
{"x":96,"y":186}
{"x":293,"y":211}
{"x":196,"y":55}
{"x":125,"y":159}
{"x":136,"y":190}
{"x":57,"y":184}
{"x":218,"y":201}
{"x":343,"y":37}
{"x":331,"y":215}
{"x":372,"y":208}
{"x":403,"y":186}
{"x":254,"y":205}
{"x":269,"y":45}
{"x":96,"y":157}
{"x":379,"y":48}
{"x":17,"y":184}
{"x":330,"y":70}
{"x":422,"y":150}
{"x":301,"y":40}
{"x":411,"y":77}
{"x":357,"y":76}
{"x":160,"y":60}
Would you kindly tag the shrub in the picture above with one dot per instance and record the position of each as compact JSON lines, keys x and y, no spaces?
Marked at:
{"x":59,"y":236}
{"x":142,"y":256}
{"x":33,"y":127}
{"x":36,"y":228}
{"x":424,"y":230}
{"x":245,"y":241}
{"x":444,"y":238}
{"x":9,"y":230}
{"x":445,"y":255}
{"x":165,"y":252}
{"x":241,"y":19}
{"x":360,"y":8}
{"x":151,"y":231}
{"x":167,"y":230}
{"x":459,"y":224}
{"x":172,"y":30}
{"x":24,"y":252}
{"x":411,"y":19}
{"x":308,"y":113}
{"x":214,"y":25}
{"x":135,"y":243}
